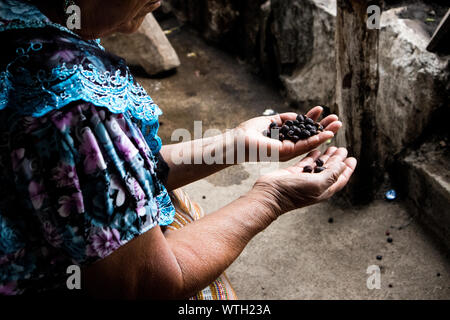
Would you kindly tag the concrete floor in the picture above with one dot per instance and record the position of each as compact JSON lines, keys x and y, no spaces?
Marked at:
{"x":300,"y":256}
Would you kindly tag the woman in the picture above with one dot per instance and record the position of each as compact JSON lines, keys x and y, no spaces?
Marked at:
{"x":84,"y":178}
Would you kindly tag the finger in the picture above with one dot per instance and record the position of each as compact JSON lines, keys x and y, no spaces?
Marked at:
{"x":328,"y":120}
{"x":313,"y":142}
{"x":309,"y":159}
{"x":315,"y":113}
{"x":331,"y":175}
{"x":281,"y":118}
{"x":328,"y":154}
{"x":343,"y":179}
{"x":338,"y":156}
{"x":334,"y":126}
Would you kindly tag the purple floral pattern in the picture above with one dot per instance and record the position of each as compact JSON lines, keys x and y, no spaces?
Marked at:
{"x":79,"y":183}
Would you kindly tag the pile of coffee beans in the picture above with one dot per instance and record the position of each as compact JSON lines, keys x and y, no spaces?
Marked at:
{"x":295,"y":130}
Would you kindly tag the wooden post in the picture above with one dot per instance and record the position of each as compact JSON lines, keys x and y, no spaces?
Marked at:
{"x":356,"y":94}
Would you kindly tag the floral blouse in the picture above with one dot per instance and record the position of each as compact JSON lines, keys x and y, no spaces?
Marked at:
{"x":80,"y":171}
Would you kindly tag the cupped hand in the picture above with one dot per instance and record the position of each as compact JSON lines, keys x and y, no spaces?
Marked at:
{"x":288,"y":189}
{"x":253,"y":132}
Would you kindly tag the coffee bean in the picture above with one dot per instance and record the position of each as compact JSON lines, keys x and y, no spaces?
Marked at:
{"x":289,"y":123}
{"x":390,"y":285}
{"x":309,"y":127}
{"x":319,"y":169}
{"x":308,"y":169}
{"x":296,"y":123}
{"x":300,"y":118}
{"x":390,"y":240}
{"x":438,"y":274}
{"x":309,"y":121}
{"x":295,"y":138}
{"x":379,"y":257}
{"x":305,"y":134}
{"x":331,"y":220}
{"x":302,"y":127}
{"x":313,"y":132}
{"x":290,"y":133}
{"x":272,"y":125}
{"x":319,"y":163}
{"x":281,"y":137}
{"x":297,"y":132}
{"x":284,"y":129}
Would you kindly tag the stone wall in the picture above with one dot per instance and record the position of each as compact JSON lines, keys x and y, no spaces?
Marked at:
{"x":292,"y":41}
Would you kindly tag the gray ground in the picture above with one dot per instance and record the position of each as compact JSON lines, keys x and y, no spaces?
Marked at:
{"x":301,"y":256}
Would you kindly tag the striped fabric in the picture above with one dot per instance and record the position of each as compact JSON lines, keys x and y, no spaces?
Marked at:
{"x":187,"y":212}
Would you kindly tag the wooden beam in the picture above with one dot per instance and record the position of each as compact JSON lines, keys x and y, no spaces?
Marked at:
{"x":440,"y":42}
{"x":356,"y":95}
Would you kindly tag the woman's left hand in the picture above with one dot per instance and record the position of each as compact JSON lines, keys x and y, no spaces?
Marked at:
{"x":253,"y":133}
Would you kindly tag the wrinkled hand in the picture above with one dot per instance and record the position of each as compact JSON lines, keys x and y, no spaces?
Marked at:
{"x":288,"y":189}
{"x":252,"y":130}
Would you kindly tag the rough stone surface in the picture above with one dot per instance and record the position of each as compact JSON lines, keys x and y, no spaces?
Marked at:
{"x":426,"y":184}
{"x":413,"y":83}
{"x":148,"y":48}
{"x":306,"y":37}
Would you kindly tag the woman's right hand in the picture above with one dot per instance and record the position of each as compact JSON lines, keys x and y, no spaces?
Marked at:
{"x":291,"y":188}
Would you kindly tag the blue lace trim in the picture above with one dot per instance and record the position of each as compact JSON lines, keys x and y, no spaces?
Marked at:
{"x":53,"y":89}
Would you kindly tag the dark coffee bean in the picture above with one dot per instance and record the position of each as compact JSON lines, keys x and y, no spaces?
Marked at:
{"x":281,"y":137}
{"x":308,"y":169}
{"x":313,"y":132}
{"x":300,"y":118}
{"x":438,"y":274}
{"x":305,"y":134}
{"x":296,"y":123}
{"x":319,"y":169}
{"x":284,"y":129}
{"x":297,"y":132}
{"x":390,"y":285}
{"x":379,"y":257}
{"x":331,"y":220}
{"x":388,"y":233}
{"x":289,"y":123}
{"x":290,"y":133}
{"x":204,"y":197}
{"x":310,"y":127}
{"x":309,"y":121}
{"x":295,"y":138}
{"x":302,"y":126}
{"x":319,"y":163}
{"x":272,"y":125}
{"x":390,"y":240}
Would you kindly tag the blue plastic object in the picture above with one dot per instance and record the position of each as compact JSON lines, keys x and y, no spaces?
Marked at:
{"x":391,"y":195}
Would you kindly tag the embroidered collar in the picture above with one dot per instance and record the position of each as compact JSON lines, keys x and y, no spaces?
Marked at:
{"x":34,"y":84}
